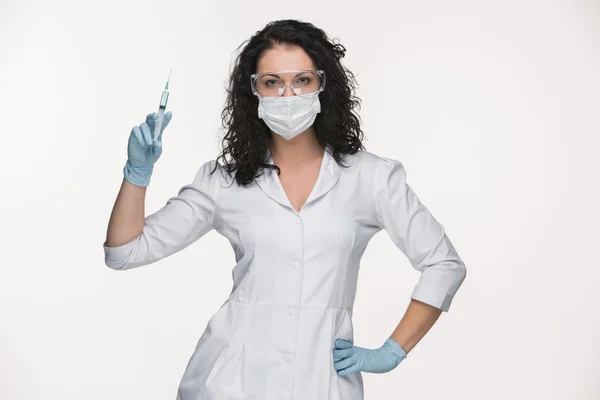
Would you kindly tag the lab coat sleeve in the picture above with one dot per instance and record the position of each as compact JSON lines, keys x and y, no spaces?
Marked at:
{"x":181,"y":221}
{"x":418,"y":235}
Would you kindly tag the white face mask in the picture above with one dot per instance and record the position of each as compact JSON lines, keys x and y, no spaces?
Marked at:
{"x":289,"y":116}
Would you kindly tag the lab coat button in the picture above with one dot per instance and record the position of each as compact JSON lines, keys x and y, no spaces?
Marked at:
{"x":295,"y":265}
{"x":292,"y":311}
{"x":298,"y":220}
{"x":288,"y":358}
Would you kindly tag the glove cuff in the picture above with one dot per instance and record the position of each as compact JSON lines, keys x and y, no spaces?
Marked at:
{"x":138,"y":176}
{"x":394,"y":348}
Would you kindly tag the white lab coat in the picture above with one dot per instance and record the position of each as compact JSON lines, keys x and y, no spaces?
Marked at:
{"x":295,"y":277}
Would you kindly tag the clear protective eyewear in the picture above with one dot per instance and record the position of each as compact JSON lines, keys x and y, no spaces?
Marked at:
{"x":274,"y":84}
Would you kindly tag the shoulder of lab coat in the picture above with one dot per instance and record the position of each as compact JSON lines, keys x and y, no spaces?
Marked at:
{"x":416,"y":232}
{"x":181,"y":221}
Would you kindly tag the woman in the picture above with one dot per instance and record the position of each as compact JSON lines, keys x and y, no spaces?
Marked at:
{"x":299,"y":201}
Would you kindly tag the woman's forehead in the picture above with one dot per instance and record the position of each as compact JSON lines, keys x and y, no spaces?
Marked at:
{"x":281,"y":58}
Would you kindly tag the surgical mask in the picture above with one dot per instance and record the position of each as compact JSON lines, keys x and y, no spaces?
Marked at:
{"x":289,"y":116}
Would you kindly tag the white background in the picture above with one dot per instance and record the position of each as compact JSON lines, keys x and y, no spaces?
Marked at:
{"x":492,"y":106}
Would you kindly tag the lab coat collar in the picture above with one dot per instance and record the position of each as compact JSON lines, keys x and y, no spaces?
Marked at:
{"x":329,"y":173}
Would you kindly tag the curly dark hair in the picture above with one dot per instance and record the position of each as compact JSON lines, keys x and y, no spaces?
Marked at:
{"x":247,"y":137}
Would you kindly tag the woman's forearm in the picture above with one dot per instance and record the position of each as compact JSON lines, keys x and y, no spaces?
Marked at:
{"x":415,"y":323}
{"x":127,"y":217}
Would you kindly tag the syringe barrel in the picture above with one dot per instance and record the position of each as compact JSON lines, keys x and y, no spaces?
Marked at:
{"x":163,"y":99}
{"x":158,"y":122}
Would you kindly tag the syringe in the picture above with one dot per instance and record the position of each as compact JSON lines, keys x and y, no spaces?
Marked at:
{"x":161,"y":108}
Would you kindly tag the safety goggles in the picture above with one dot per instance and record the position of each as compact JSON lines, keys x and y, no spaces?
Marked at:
{"x":274,"y":84}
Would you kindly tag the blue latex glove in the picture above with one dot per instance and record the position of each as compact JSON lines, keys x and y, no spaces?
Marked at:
{"x":349,"y":359}
{"x":142,"y":151}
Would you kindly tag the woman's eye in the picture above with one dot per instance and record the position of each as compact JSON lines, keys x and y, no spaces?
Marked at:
{"x":271,"y":82}
{"x":303,"y":81}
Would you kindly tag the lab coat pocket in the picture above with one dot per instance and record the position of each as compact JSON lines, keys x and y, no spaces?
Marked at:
{"x":215,"y":368}
{"x":348,"y":387}
{"x":226,"y":379}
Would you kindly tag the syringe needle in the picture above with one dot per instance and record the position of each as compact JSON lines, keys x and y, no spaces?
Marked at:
{"x":161,"y":108}
{"x":168,"y":79}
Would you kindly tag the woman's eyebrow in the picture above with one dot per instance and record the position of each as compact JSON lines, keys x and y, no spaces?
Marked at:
{"x":277,"y":76}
